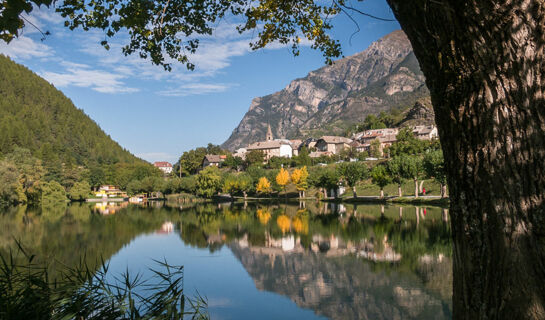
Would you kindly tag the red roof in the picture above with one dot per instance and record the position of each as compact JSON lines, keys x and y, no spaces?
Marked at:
{"x":162,"y":164}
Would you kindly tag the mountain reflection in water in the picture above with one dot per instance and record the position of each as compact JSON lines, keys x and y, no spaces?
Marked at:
{"x":341,"y":262}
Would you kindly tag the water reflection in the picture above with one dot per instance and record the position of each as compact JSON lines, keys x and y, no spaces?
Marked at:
{"x":340,"y":261}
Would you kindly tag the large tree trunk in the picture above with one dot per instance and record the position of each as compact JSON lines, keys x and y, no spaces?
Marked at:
{"x":399,"y":192}
{"x":484,"y":63}
{"x":415,"y":188}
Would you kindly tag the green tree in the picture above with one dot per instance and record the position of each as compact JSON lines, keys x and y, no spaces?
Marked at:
{"x":52,"y":192}
{"x":191,"y":161}
{"x":353,"y":173}
{"x":375,"y":150}
{"x":134,"y":187}
{"x":412,"y":169}
{"x":254,"y":157}
{"x":407,"y":144}
{"x":326,"y":179}
{"x":208,"y":181}
{"x":31,"y":172}
{"x":11,"y":189}
{"x":303,"y":158}
{"x":434,"y":166}
{"x":380,"y":177}
{"x":395,"y":169}
{"x":233,"y":162}
{"x":80,"y":191}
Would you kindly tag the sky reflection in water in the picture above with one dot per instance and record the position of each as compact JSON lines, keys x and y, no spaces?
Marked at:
{"x":267,"y":262}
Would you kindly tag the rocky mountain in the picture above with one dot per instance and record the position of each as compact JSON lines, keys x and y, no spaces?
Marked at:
{"x":383,"y":77}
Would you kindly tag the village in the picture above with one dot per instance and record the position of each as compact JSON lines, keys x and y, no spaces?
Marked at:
{"x":325,"y":146}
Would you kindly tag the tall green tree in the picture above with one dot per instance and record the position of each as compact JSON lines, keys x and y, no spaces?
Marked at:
{"x":395,"y":168}
{"x":353,"y":173}
{"x":434,"y":166}
{"x":208,"y":181}
{"x":380,"y":177}
{"x":407,"y":144}
{"x":412,"y":168}
{"x":80,"y":191}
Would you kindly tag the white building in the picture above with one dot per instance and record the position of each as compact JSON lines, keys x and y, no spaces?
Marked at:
{"x":164,"y":166}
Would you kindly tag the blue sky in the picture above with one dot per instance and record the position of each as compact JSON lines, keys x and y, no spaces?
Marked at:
{"x":157,"y":114}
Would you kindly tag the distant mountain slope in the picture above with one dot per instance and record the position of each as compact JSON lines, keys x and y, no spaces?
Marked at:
{"x":36,"y":116}
{"x":383,"y":77}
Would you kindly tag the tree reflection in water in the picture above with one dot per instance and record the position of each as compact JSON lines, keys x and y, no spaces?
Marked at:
{"x":342,"y":261}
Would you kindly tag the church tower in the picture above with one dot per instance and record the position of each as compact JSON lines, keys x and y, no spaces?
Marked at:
{"x":269,"y":133}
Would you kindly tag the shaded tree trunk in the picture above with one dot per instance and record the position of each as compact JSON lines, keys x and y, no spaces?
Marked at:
{"x":443,"y":191}
{"x":416,"y":188}
{"x":354,"y":192}
{"x":484,"y":61}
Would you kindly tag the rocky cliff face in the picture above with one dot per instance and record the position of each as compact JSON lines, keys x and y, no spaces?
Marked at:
{"x":383,"y":77}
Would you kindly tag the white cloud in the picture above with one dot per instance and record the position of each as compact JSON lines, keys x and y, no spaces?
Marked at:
{"x":193,"y":89}
{"x":25,"y":48}
{"x":83,"y":76}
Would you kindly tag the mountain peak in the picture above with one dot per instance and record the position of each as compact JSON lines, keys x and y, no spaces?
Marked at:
{"x":384,"y":76}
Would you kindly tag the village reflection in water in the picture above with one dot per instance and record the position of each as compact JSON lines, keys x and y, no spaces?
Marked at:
{"x":340,"y":261}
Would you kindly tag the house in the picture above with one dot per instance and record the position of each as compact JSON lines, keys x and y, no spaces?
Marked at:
{"x":241,"y":153}
{"x":273,"y":148}
{"x":110,"y":191}
{"x":164,"y":166}
{"x":295,"y":145}
{"x":425,"y":132}
{"x":309,"y":143}
{"x":213,"y":160}
{"x":360,"y":147}
{"x":370,"y":135}
{"x":333,"y":144}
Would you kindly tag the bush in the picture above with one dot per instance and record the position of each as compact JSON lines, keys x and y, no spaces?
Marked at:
{"x":52,"y":192}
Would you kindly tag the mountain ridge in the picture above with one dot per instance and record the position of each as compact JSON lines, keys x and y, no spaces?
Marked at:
{"x":383,"y":77}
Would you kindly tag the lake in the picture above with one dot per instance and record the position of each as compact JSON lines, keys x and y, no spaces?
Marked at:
{"x":261,"y":261}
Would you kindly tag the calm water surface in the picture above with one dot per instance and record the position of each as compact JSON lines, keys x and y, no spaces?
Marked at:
{"x":320,"y":261}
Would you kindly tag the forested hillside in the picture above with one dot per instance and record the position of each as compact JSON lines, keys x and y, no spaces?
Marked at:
{"x":36,"y":116}
{"x":50,"y":149}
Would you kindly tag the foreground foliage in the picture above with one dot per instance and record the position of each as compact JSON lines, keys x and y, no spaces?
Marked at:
{"x":28,"y":292}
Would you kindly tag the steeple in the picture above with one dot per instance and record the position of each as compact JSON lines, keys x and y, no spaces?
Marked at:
{"x":269,"y":133}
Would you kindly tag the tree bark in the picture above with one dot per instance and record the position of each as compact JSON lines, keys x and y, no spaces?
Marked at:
{"x":381,"y":193}
{"x":399,"y":192}
{"x":421,"y":186}
{"x":354,"y":192}
{"x":415,"y":188}
{"x":484,"y":61}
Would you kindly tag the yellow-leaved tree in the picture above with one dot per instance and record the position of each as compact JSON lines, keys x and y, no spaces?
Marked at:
{"x":283,"y":179}
{"x":299,"y":177}
{"x":263,"y":185}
